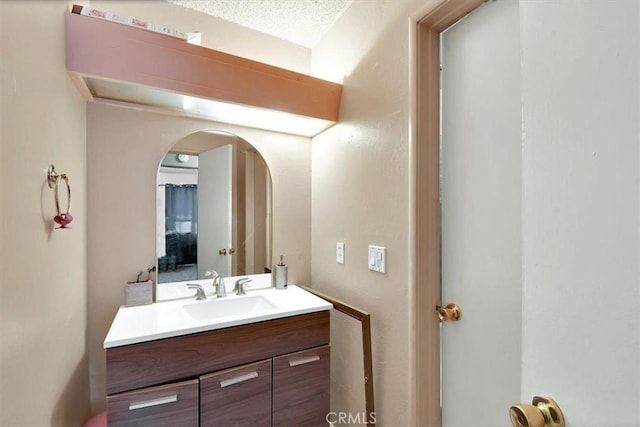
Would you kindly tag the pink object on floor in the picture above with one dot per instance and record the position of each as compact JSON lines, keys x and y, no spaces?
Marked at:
{"x":99,"y":420}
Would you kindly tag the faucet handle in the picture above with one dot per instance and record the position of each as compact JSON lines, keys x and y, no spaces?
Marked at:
{"x":200,"y":295}
{"x":239,"y":287}
{"x":211,"y":273}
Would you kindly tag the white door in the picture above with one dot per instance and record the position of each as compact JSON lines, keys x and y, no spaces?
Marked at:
{"x":481,"y":216}
{"x":581,"y":233}
{"x":541,"y":211}
{"x":215,"y":210}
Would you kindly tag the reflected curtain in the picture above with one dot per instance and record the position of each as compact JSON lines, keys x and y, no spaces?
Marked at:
{"x":181,"y":222}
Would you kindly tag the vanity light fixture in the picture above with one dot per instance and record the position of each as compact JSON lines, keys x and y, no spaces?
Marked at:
{"x":157,"y":72}
{"x":105,"y":91}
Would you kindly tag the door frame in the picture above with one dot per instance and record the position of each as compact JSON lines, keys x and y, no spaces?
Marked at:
{"x":426,"y":26}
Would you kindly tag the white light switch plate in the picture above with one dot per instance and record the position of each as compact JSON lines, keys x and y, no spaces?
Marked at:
{"x":377,"y":259}
{"x":340,"y":253}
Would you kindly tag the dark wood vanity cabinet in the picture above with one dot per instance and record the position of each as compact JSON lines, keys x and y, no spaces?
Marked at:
{"x":237,"y":397}
{"x":301,"y":388}
{"x":269,"y":373}
{"x":167,"y":405}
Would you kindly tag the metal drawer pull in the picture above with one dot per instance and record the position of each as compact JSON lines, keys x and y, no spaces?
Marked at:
{"x":303,"y":361}
{"x":153,"y":402}
{"x":238,"y":379}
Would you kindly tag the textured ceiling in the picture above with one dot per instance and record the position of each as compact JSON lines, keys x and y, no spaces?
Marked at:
{"x":302,"y":22}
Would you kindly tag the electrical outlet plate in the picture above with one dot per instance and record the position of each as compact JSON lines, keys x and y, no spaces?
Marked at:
{"x":340,"y":253}
{"x":377,"y":260}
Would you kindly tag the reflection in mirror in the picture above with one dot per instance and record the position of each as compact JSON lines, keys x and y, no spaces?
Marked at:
{"x":213,"y":209}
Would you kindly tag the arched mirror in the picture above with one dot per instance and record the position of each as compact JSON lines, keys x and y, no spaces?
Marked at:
{"x":213,"y":209}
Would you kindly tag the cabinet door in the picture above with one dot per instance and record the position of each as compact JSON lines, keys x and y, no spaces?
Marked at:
{"x":237,"y":397}
{"x":167,"y":405}
{"x":301,"y":388}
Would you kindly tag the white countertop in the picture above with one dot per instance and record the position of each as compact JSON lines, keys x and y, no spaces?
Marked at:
{"x":168,"y":319}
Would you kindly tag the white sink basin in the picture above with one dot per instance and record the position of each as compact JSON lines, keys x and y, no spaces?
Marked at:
{"x":187,"y":316}
{"x":217,"y":308}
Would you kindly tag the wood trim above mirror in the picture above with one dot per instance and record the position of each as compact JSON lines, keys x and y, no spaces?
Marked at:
{"x":107,"y":51}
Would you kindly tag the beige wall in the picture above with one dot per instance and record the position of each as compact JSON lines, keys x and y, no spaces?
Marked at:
{"x":121,"y":205}
{"x":43,"y":362}
{"x":216,"y":33}
{"x":361,"y":181}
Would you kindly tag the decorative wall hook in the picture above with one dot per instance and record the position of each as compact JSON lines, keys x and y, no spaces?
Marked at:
{"x":54,"y":178}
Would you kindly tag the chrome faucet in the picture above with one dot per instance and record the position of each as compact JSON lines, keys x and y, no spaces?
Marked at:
{"x":200,"y":295}
{"x":239,"y":287}
{"x":218,"y":283}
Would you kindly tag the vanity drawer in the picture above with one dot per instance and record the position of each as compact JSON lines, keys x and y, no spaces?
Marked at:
{"x":301,"y":388}
{"x":167,"y":405}
{"x":140,"y":365}
{"x":237,"y":397}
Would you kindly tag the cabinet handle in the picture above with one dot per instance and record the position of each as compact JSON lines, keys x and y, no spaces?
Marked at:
{"x":238,"y":379}
{"x":303,"y":361}
{"x":153,"y":402}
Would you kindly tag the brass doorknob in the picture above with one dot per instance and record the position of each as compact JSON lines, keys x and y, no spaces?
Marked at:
{"x":544,"y":412}
{"x":449,"y":312}
{"x":223,"y":251}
